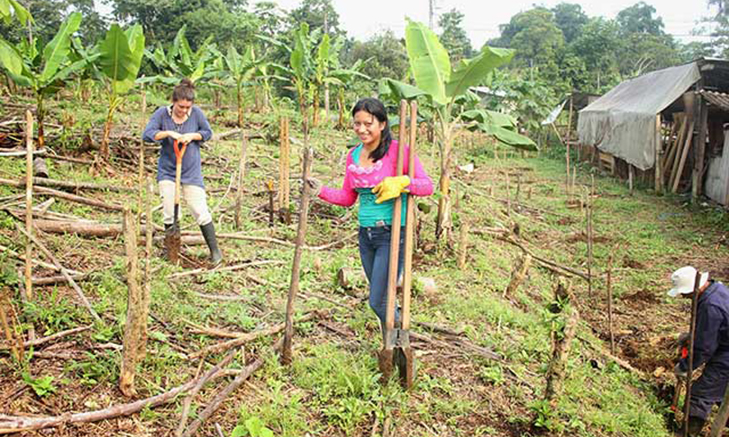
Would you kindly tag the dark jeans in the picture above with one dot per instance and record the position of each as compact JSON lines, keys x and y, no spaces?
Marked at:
{"x":709,"y":388}
{"x":374,"y":251}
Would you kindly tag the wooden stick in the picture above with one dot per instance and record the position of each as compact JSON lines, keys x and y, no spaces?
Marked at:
{"x":52,"y":338}
{"x":554,"y":266}
{"x":14,"y":424}
{"x":678,"y":170}
{"x":241,"y":178}
{"x":658,"y":162}
{"x":241,"y":266}
{"x":63,"y":271}
{"x":254,"y":335}
{"x":78,"y":199}
{"x":561,"y":346}
{"x":463,"y":246}
{"x":518,"y":274}
{"x":10,"y":334}
{"x":43,"y":264}
{"x":286,"y":355}
{"x":675,"y":152}
{"x":230,"y":388}
{"x":68,"y":185}
{"x":508,"y":196}
{"x":407,"y":278}
{"x":589,"y":243}
{"x":717,"y":426}
{"x":29,"y":204}
{"x":136,"y":313}
{"x":692,"y":337}
{"x":81,"y":228}
{"x":188,"y":400}
{"x":609,"y":281}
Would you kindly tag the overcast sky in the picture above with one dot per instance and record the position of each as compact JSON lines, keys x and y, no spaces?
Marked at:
{"x":482,"y":17}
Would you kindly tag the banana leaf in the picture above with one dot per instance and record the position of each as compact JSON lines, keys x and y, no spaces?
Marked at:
{"x":428,"y":60}
{"x":469,"y":72}
{"x":509,"y":138}
{"x":56,"y":51}
{"x":135,"y":38}
{"x":116,"y":55}
{"x":10,"y":58}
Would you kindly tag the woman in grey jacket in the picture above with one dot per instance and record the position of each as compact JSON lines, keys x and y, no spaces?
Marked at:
{"x":185,"y":123}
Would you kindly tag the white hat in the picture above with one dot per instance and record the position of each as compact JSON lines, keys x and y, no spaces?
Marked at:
{"x":683,"y":281}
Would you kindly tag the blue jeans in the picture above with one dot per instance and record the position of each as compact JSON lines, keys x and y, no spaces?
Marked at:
{"x":374,"y":251}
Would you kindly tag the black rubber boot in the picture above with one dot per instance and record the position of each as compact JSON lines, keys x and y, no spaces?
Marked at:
{"x":208,"y":232}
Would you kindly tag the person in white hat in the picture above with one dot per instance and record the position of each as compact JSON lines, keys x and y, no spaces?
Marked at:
{"x":711,"y":343}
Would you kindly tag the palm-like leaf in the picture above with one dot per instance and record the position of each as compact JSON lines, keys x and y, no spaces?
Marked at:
{"x":428,"y":60}
{"x":469,"y":72}
{"x":10,"y":58}
{"x":56,"y":52}
{"x":116,"y":55}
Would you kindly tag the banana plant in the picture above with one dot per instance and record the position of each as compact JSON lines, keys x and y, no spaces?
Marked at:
{"x":442,"y":85}
{"x":44,"y":72}
{"x":238,"y":69}
{"x":120,"y":57}
{"x":346,"y":77}
{"x":180,"y":61}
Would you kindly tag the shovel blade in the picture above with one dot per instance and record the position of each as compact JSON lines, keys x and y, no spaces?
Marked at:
{"x":385,"y":361}
{"x":405,"y":361}
{"x":172,"y":243}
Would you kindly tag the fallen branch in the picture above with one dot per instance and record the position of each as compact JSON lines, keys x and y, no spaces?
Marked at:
{"x":64,"y":272}
{"x":458,"y":344}
{"x":40,"y":263}
{"x":193,"y":239}
{"x":13,"y":424}
{"x":47,"y":280}
{"x":22,"y":152}
{"x":222,"y":297}
{"x":82,"y":228}
{"x":51,"y":338}
{"x":225,"y":269}
{"x":54,"y":183}
{"x":438,"y":328}
{"x":551,"y":265}
{"x":230,"y":388}
{"x":254,"y":335}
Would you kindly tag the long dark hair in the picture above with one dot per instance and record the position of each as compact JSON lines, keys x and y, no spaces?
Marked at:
{"x":375,"y":107}
{"x":185,"y":90}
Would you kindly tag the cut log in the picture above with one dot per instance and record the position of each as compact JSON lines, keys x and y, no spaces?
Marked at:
{"x":561,"y":345}
{"x":81,"y":228}
{"x":69,"y":185}
{"x":40,"y":169}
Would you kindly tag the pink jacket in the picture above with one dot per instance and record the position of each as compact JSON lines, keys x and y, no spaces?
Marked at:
{"x":360,"y":177}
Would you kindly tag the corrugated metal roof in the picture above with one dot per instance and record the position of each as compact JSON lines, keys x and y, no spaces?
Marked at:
{"x":716,"y":98}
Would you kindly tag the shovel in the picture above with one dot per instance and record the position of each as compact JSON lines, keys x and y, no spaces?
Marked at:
{"x":172,"y":234}
{"x":396,"y":351}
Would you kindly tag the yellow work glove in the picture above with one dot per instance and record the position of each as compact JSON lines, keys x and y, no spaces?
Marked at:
{"x":390,"y":188}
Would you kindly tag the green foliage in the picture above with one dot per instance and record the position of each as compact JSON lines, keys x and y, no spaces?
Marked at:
{"x":253,"y":428}
{"x":42,"y":386}
{"x":96,"y":368}
{"x":388,"y":51}
{"x":121,"y":56}
{"x":453,"y":37}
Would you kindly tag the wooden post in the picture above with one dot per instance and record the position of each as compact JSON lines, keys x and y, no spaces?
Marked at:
{"x":588,"y":216}
{"x":658,"y":180}
{"x":701,"y":117}
{"x":678,"y":170}
{"x":29,"y":204}
{"x":567,"y":166}
{"x":508,"y":196}
{"x":135,"y":311}
{"x":561,"y":343}
{"x":568,"y":135}
{"x":284,"y":163}
{"x":692,"y":336}
{"x":147,"y":289}
{"x":463,"y":246}
{"x":518,"y":274}
{"x":631,"y":175}
{"x":271,"y":203}
{"x":241,"y":178}
{"x":11,"y":335}
{"x":609,"y":281}
{"x":286,"y":354}
{"x":717,"y":427}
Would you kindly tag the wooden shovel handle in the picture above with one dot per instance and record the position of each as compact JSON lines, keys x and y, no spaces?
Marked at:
{"x":407,"y":278}
{"x":179,"y":153}
{"x":395,"y":229}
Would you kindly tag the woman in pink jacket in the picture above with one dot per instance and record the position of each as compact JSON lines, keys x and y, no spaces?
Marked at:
{"x":371,"y":175}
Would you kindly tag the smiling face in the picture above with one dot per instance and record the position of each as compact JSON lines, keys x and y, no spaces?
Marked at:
{"x":368,"y":128}
{"x":181,"y":108}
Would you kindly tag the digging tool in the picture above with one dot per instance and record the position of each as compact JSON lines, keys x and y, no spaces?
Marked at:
{"x":692,"y":337}
{"x":673,"y":415}
{"x":397,"y":350}
{"x":172,"y":234}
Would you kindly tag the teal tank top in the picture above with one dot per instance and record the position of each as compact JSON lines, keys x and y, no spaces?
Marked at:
{"x":370,"y":213}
